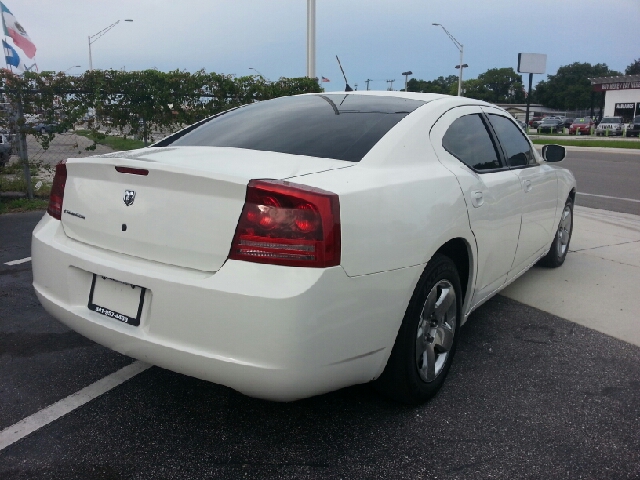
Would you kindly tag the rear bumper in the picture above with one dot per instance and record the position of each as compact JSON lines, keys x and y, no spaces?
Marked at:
{"x":273,"y":332}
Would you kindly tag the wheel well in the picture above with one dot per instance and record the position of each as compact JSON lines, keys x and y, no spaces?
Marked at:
{"x":457,"y":250}
{"x":572,"y":195}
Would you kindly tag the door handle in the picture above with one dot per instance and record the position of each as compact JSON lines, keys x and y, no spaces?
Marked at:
{"x":477,"y":198}
{"x":527,"y":186}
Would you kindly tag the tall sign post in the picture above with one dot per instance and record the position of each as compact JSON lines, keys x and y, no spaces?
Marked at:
{"x":531,"y":63}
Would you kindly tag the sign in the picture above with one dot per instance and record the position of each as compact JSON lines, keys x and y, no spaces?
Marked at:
{"x":532,"y":62}
{"x":624,"y":106}
{"x":603,"y":87}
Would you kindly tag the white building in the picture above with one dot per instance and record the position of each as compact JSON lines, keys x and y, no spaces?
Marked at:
{"x":622,"y":95}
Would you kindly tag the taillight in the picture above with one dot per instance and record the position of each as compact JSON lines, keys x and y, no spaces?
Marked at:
{"x":283,"y":223}
{"x":57,"y":190}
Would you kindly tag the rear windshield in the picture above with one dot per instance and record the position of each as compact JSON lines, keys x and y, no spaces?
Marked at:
{"x":340,"y":126}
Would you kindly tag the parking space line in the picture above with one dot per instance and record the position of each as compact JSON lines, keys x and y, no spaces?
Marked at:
{"x":607,"y":196}
{"x":51,"y":413}
{"x":18,"y":262}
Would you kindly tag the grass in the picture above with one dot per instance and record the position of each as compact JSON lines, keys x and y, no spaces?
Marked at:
{"x":22,"y":205}
{"x":117,"y":143}
{"x":589,"y":143}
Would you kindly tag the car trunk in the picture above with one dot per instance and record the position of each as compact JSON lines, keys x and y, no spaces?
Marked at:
{"x":183,"y":212}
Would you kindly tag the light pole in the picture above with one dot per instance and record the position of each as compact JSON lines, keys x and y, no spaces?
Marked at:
{"x":311,"y":38}
{"x":460,"y":47}
{"x":255,"y":70}
{"x":75,"y":66}
{"x":406,"y":78}
{"x":94,"y":38}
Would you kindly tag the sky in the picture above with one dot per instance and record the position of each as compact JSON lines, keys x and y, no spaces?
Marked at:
{"x":375,"y":39}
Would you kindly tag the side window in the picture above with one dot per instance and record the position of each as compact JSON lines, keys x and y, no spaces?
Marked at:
{"x":516,"y":146}
{"x":468,"y":140}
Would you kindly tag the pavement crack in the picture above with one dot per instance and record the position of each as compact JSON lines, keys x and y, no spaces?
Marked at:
{"x":603,"y":246}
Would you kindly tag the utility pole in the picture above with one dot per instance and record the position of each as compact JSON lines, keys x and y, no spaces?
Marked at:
{"x":390,"y":82}
{"x":367,"y":82}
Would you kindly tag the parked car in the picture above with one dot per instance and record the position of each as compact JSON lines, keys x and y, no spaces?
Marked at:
{"x":45,"y":128}
{"x":633,"y":130}
{"x":610,"y":125}
{"x":535,"y":121}
{"x":6,"y":149}
{"x":303,"y":244}
{"x":581,"y":126}
{"x":552,"y":125}
{"x":568,"y":122}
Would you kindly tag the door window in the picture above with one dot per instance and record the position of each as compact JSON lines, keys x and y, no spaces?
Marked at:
{"x":469,"y":141}
{"x":516,"y":146}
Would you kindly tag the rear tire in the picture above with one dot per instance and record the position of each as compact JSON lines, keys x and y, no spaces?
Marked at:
{"x":427,"y":339}
{"x":560,"y":245}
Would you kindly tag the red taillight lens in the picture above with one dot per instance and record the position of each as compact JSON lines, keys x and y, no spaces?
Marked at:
{"x":57,"y":190}
{"x":287,"y":224}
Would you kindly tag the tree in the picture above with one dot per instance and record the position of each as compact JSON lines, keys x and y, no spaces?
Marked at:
{"x":634,"y":68}
{"x":439,"y":85}
{"x":570,"y":88}
{"x":496,"y":85}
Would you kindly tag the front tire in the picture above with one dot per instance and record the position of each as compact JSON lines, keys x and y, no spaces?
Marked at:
{"x":427,"y":339}
{"x":560,"y":245}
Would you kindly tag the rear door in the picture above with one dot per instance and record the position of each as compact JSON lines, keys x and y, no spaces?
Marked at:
{"x":539,"y":186}
{"x":464,"y":143}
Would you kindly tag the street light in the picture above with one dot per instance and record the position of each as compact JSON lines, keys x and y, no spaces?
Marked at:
{"x":460,"y":47}
{"x":255,"y":70}
{"x":406,"y":78}
{"x":75,"y":66}
{"x":98,"y":35}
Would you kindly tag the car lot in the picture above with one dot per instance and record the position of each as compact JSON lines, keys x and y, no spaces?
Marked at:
{"x":530,"y":395}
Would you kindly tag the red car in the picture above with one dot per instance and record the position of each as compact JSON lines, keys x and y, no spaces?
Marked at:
{"x":581,"y":126}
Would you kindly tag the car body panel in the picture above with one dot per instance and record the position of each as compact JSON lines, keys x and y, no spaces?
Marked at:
{"x":273,"y":331}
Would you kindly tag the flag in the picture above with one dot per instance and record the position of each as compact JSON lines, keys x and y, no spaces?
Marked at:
{"x":325,"y":79}
{"x":12,"y":58}
{"x":14,"y":30}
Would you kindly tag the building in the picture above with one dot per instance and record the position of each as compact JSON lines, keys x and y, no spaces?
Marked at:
{"x":621,"y":95}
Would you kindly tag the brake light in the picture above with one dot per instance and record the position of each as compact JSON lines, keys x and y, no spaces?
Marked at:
{"x":57,"y":190}
{"x":283,"y":223}
{"x":133,"y":171}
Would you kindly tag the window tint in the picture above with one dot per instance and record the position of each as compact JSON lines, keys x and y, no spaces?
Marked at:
{"x":515,"y":145}
{"x":344,"y":127}
{"x":468,"y":140}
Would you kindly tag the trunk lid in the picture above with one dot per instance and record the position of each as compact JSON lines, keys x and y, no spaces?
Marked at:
{"x":184,"y":212}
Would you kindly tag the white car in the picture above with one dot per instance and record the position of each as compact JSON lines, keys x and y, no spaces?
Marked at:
{"x":299,"y":245}
{"x":610,"y":126}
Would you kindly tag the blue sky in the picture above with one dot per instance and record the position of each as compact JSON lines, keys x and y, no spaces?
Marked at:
{"x":376,"y":39}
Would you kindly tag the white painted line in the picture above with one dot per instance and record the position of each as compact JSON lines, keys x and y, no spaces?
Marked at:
{"x":47,"y":415}
{"x":18,"y":262}
{"x":607,"y":196}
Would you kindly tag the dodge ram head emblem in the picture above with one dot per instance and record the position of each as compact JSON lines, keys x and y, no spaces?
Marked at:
{"x":129,"y":197}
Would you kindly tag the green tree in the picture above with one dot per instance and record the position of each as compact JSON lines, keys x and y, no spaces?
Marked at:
{"x":439,"y":85}
{"x":570,"y":87}
{"x":633,"y":68}
{"x":496,"y":85}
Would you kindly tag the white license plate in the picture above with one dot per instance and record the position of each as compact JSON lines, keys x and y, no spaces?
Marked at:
{"x":117,"y":300}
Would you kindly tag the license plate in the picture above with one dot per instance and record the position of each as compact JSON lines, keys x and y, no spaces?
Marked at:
{"x":118,"y":300}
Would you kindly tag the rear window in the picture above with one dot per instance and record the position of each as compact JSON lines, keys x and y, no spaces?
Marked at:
{"x":340,"y":126}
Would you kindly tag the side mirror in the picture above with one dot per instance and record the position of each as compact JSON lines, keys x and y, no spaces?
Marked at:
{"x":553,"y":153}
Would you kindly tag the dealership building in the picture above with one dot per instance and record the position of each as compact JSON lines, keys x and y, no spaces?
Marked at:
{"x":621,"y":97}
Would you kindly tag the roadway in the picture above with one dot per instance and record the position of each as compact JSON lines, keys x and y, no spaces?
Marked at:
{"x":607,"y":179}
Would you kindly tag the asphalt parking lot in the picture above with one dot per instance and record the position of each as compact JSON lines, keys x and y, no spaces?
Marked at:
{"x":530,"y":395}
